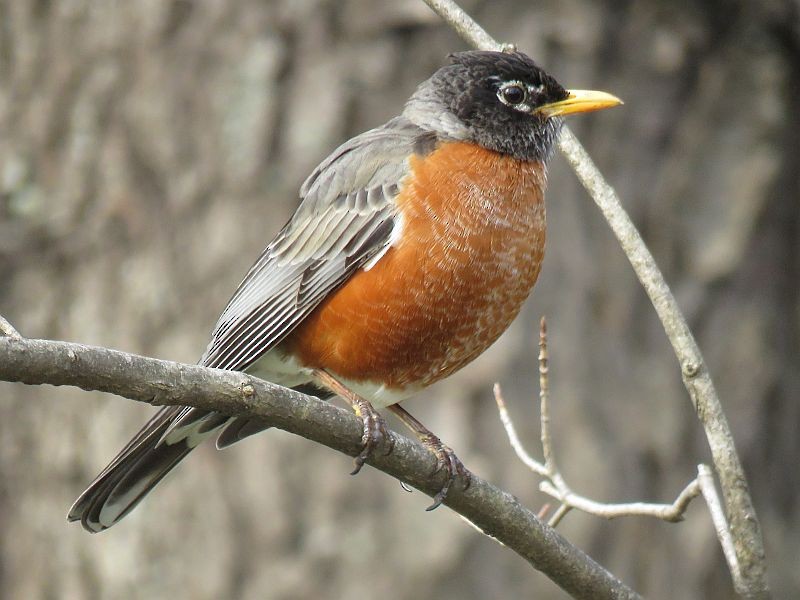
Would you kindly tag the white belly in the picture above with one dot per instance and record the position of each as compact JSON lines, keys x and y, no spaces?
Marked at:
{"x":277,"y":367}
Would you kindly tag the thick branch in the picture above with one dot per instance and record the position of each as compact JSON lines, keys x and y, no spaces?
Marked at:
{"x":744,"y":525}
{"x":159,"y":382}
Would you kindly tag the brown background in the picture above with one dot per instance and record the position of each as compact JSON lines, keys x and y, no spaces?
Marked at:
{"x":148,"y":151}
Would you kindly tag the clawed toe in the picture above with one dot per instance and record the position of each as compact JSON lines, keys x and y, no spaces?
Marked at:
{"x":375,"y":432}
{"x":446,"y":460}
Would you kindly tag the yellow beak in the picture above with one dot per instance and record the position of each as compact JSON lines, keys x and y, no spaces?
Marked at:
{"x":579,"y":101}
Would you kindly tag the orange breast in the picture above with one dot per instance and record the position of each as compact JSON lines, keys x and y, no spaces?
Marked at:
{"x":473,"y":234}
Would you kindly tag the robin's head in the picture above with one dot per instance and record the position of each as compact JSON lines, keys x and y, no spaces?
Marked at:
{"x":502,"y":101}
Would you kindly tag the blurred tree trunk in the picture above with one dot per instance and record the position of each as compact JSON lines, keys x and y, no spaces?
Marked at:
{"x":148,"y":151}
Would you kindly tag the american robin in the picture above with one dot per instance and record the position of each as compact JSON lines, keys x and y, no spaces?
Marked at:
{"x":413,"y":249}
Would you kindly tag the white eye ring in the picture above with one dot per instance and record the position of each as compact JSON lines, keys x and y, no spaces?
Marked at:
{"x":523,"y":103}
{"x":513,"y":93}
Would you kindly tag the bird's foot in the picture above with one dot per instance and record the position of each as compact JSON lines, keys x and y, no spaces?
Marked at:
{"x":375,"y":431}
{"x":446,"y":460}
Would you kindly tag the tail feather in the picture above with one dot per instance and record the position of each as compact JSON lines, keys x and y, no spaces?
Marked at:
{"x":238,"y":429}
{"x":144,"y":461}
{"x":159,"y":446}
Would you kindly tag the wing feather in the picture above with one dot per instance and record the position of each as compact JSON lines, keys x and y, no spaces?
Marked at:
{"x":345,"y":219}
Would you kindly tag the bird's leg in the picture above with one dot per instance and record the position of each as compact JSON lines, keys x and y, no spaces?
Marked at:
{"x":445,"y":457}
{"x":374,"y":426}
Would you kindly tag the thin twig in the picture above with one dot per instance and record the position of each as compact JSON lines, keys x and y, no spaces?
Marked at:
{"x":464,"y":25}
{"x":7,"y":329}
{"x":559,"y":515}
{"x":666,"y":512}
{"x":555,"y":485}
{"x":706,"y":482}
{"x":533,"y":464}
{"x":159,"y":382}
{"x":548,"y":451}
{"x":544,"y":395}
{"x":744,"y":525}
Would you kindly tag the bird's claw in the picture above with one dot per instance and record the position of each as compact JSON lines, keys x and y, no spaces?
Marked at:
{"x":375,"y":432}
{"x":446,"y":460}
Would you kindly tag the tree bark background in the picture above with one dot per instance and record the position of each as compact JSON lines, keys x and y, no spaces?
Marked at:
{"x":149,"y":150}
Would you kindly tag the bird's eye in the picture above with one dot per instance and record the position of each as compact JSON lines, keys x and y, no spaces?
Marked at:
{"x":513,"y":94}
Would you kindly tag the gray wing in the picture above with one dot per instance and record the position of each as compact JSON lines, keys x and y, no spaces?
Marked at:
{"x":346,"y":217}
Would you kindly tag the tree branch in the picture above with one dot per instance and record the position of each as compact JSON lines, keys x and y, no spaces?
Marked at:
{"x":556,"y":486}
{"x":159,"y":382}
{"x":744,"y":526}
{"x":7,"y":329}
{"x":705,"y":479}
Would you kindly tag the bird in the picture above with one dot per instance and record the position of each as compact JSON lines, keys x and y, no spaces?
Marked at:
{"x":413,"y":248}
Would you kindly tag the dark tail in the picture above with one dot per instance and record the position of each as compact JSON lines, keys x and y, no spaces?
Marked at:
{"x":160,"y":445}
